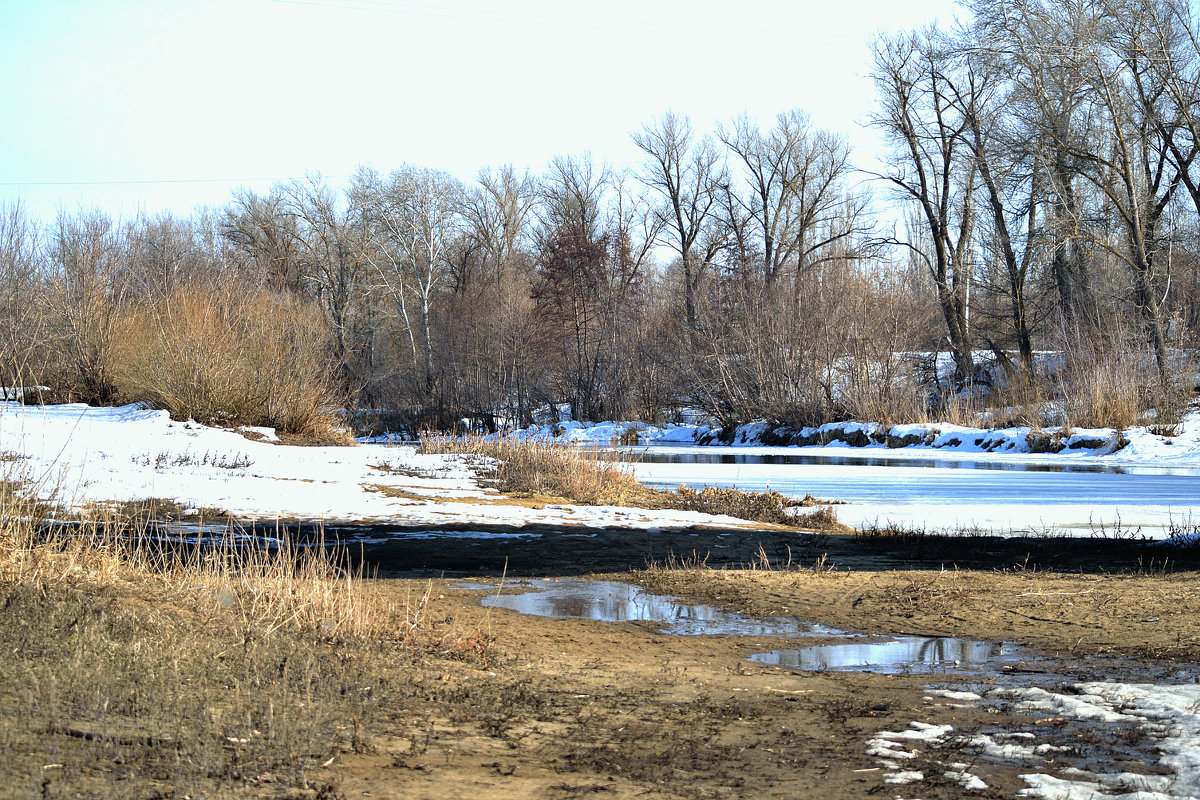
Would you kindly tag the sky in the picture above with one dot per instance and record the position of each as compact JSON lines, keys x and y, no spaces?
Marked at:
{"x":170,"y":104}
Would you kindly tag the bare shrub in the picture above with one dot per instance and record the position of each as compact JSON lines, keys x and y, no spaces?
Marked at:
{"x":821,"y":518}
{"x":878,"y":382}
{"x":1018,"y":403}
{"x":85,"y":294}
{"x":230,"y":356}
{"x":809,"y":356}
{"x":1170,"y":402}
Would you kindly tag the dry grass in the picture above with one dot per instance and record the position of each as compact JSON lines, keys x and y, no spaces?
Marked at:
{"x":577,"y":474}
{"x":139,"y":668}
{"x":229,"y":357}
{"x":1105,"y":392}
{"x":821,"y":518}
{"x":588,"y":476}
{"x":284,"y":587}
{"x":761,"y":506}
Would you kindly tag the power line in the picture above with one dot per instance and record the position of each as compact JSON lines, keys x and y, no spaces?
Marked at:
{"x":488,"y":15}
{"x":409,"y":8}
{"x":144,"y":181}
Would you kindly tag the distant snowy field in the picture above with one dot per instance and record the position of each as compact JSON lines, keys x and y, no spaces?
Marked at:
{"x":77,"y":455}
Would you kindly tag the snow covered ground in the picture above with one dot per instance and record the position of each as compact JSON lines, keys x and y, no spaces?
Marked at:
{"x":77,"y":455}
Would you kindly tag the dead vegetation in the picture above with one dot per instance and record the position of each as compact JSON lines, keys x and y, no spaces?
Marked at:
{"x":529,"y":468}
{"x":140,"y":668}
{"x":229,"y":356}
{"x":144,"y":671}
{"x":576,"y":474}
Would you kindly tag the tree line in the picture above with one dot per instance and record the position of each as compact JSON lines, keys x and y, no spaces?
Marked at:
{"x":1041,"y":167}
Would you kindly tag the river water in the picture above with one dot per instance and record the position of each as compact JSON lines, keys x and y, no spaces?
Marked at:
{"x":1049,"y":495}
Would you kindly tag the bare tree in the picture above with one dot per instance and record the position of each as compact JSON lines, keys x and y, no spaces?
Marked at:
{"x":1037,"y":46}
{"x":572,"y":197}
{"x":571,"y":290}
{"x":415,"y":219}
{"x":690,"y":174}
{"x":797,"y":193}
{"x":163,"y":253}
{"x":497,"y":212}
{"x":331,"y":258}
{"x":22,"y":291}
{"x":1127,"y":163}
{"x":264,"y":229}
{"x":84,"y":252}
{"x":1007,"y":169}
{"x":934,"y":172}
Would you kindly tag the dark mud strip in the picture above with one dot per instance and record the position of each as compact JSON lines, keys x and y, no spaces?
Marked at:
{"x":532,"y":551}
{"x":563,"y":552}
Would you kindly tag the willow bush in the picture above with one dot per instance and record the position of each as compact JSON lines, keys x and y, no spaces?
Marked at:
{"x":230,"y":356}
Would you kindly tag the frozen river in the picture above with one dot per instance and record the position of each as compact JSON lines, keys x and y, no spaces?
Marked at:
{"x":938,"y":490}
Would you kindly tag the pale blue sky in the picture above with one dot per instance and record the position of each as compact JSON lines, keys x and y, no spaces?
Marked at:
{"x":226,"y":92}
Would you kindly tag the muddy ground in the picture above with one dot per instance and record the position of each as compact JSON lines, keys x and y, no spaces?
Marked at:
{"x":574,"y":708}
{"x":495,"y":704}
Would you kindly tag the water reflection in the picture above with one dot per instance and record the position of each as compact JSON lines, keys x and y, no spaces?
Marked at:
{"x":904,"y":654}
{"x":610,"y":601}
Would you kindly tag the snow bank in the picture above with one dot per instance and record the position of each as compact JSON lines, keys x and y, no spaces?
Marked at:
{"x":76,"y":455}
{"x":1133,"y":445}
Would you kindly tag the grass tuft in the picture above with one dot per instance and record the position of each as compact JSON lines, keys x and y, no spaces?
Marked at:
{"x":761,"y":506}
{"x":541,"y":468}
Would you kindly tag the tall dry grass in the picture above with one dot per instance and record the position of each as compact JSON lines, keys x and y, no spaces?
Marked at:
{"x":535,"y":467}
{"x":217,"y":668}
{"x":589,"y":476}
{"x":313,"y":589}
{"x":1105,"y":391}
{"x":222,"y":670}
{"x":230,"y":356}
{"x":272,"y":582}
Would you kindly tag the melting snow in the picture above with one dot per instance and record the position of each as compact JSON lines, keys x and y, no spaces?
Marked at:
{"x":1166,"y":717}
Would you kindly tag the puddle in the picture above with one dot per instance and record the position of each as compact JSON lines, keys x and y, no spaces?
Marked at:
{"x":1012,"y":665}
{"x":1145,"y":732}
{"x":905,"y":654}
{"x":610,"y":601}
